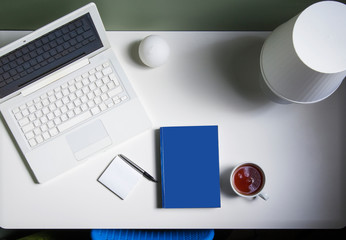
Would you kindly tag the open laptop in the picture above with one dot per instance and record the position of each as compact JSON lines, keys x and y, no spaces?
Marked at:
{"x":64,"y":95}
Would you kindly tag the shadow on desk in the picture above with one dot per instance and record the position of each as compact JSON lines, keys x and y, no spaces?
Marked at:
{"x":2,"y":121}
{"x":239,"y":62}
{"x":158,"y":168}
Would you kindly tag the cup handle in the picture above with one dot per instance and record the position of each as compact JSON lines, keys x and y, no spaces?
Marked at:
{"x":264,"y":196}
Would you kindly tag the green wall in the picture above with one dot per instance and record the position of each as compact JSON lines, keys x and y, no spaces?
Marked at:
{"x":157,"y":14}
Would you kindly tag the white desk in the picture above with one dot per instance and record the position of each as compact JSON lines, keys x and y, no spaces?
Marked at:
{"x":211,"y":78}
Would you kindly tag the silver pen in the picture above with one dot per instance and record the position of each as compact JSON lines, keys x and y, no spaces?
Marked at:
{"x":138,"y":168}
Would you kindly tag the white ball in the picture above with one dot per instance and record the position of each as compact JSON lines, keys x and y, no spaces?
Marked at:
{"x":153,"y":51}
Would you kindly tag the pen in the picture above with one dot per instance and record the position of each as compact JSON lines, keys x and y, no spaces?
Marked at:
{"x":139,"y":169}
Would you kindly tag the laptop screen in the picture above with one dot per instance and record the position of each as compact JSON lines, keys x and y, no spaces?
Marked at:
{"x":47,"y":54}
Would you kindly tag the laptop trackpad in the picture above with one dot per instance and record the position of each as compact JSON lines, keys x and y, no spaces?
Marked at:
{"x":88,"y":140}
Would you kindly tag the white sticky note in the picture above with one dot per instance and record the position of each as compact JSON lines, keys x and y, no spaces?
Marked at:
{"x":120,"y":177}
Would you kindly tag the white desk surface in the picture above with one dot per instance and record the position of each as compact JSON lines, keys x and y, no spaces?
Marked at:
{"x":211,"y":78}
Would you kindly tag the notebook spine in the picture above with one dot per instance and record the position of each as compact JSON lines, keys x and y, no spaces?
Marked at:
{"x":162,"y":153}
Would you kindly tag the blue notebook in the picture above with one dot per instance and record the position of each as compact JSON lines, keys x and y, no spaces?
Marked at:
{"x":190,"y":167}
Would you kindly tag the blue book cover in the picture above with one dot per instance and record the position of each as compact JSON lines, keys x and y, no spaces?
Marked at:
{"x":190,"y":175}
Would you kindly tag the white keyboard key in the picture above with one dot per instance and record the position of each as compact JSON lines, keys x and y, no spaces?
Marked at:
{"x":23,"y":121}
{"x":84,"y":99}
{"x":72,"y":88}
{"x":102,"y":106}
{"x":84,"y":107}
{"x":104,"y":97}
{"x":28,"y":127}
{"x":45,"y":110}
{"x":64,"y":109}
{"x":32,"y":142}
{"x":72,"y":97}
{"x":92,"y":86}
{"x":79,"y":85}
{"x":43,"y":119}
{"x":44,"y":127}
{"x":59,"y":104}
{"x":74,"y":121}
{"x":37,"y":123}
{"x":39,"y":139}
{"x":111,"y":85}
{"x":107,"y":71}
{"x":29,"y":135}
{"x":109,"y":102}
{"x":58,"y":95}
{"x":50,"y":124}
{"x":52,"y":98}
{"x":25,"y":112}
{"x":37,"y":131}
{"x":18,"y":116}
{"x":38,"y":105}
{"x":104,"y":88}
{"x":52,"y":107}
{"x":53,"y":132}
{"x":97,"y":92}
{"x":77,"y":110}
{"x":95,"y":110}
{"x":50,"y":116}
{"x":91,"y":104}
{"x":79,"y":93}
{"x":117,"y":101}
{"x":99,"y":68}
{"x":15,"y":110}
{"x":65,"y":92}
{"x":85,"y":81}
{"x":92,"y":71}
{"x":32,"y":109}
{"x":98,"y":75}
{"x":115,"y":92}
{"x":70,"y":114}
{"x":57,"y":121}
{"x":45,"y":102}
{"x":57,"y":113}
{"x":46,"y":135}
{"x":92,"y":78}
{"x":77,"y":102}
{"x":64,"y":117}
{"x":112,"y":76}
{"x":79,"y":78}
{"x":70,"y":106}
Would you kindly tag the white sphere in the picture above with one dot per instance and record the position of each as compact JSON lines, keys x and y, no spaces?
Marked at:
{"x":153,"y":51}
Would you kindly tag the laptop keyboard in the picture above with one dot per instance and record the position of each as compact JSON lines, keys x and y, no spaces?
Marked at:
{"x":73,"y":102}
{"x":47,"y":53}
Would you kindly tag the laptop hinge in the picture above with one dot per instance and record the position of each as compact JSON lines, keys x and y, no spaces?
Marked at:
{"x":55,"y":76}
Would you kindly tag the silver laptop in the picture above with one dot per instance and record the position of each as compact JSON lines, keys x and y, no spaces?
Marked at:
{"x":64,"y":95}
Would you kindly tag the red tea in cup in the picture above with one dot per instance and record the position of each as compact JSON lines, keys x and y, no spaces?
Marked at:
{"x":248,"y":179}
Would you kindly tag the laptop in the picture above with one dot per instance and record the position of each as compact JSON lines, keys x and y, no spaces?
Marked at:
{"x":64,"y":95}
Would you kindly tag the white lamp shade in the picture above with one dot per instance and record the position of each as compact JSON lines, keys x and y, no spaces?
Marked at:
{"x":304,"y":59}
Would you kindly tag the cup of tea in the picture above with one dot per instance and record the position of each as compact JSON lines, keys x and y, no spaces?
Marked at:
{"x":248,"y":180}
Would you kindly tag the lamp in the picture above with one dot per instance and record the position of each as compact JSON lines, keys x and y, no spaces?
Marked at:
{"x":304,"y":59}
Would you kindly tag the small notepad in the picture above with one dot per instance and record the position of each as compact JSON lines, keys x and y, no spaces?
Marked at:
{"x":120,"y":177}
